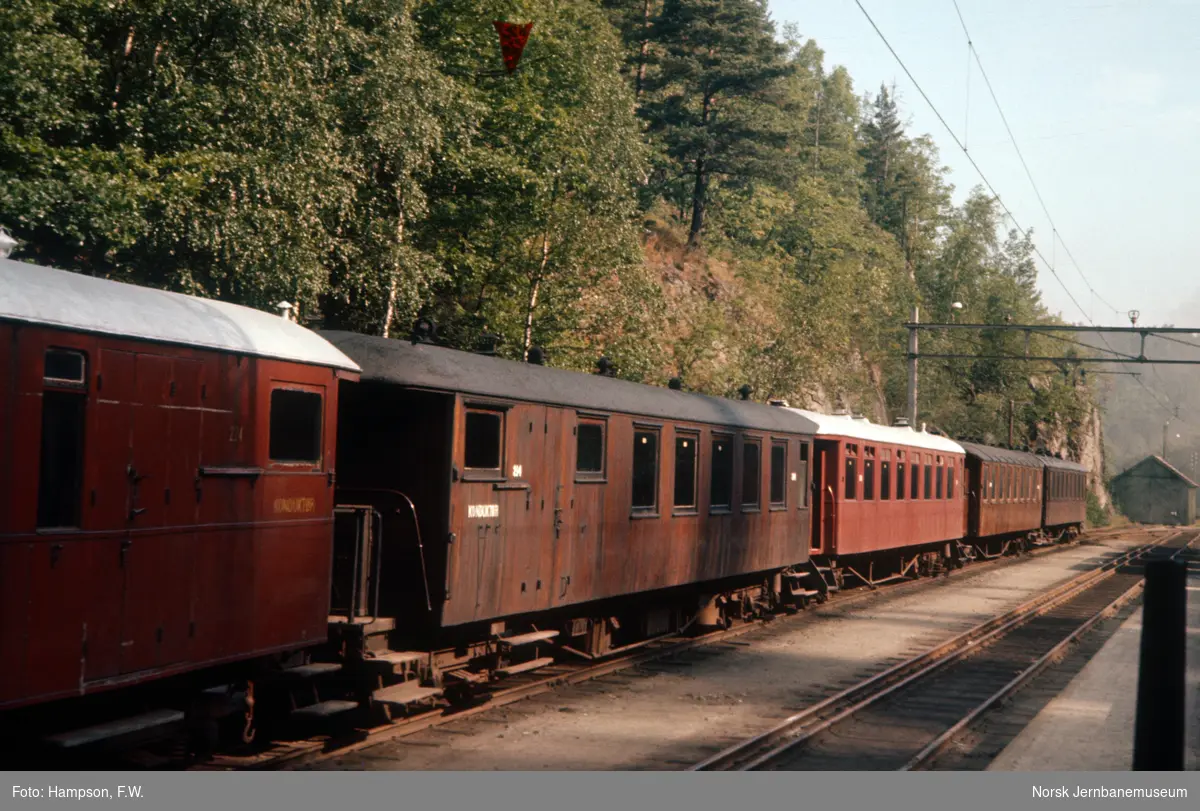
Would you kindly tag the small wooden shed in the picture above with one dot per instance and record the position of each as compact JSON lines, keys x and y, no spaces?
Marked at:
{"x":1155,"y":492}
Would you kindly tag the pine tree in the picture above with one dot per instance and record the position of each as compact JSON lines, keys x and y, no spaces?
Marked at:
{"x":712,"y":105}
{"x":883,"y":141}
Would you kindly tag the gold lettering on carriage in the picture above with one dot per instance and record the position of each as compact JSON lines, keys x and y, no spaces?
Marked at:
{"x":295,"y":505}
{"x":483,"y":511}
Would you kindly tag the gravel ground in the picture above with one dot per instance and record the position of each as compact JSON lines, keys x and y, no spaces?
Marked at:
{"x":670,"y":714}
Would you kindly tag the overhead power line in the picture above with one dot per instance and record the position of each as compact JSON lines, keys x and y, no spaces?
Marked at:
{"x":970,"y":158}
{"x":1056,"y":234}
{"x":992,"y":189}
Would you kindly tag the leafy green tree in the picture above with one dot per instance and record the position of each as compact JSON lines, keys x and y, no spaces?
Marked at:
{"x":252,"y":151}
{"x":534,"y":205}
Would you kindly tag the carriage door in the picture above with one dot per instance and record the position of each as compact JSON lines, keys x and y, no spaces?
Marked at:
{"x":558,"y":460}
{"x":156,"y":553}
{"x":825,"y":479}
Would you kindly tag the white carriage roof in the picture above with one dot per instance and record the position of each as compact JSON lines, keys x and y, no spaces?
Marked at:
{"x":56,"y":298}
{"x":867,"y":431}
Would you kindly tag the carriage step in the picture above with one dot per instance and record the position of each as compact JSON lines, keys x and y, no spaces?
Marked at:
{"x":312,"y":670}
{"x":524,"y":667}
{"x":324,"y":709}
{"x":530,"y":638}
{"x":467,"y":676}
{"x":399,"y":657}
{"x":805,"y":593}
{"x":408,"y":692}
{"x":114,"y":729}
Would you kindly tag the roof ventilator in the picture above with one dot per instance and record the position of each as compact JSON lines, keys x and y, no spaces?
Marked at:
{"x":488,"y":342}
{"x":424,"y":332}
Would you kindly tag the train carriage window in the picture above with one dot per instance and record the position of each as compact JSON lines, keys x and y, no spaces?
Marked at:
{"x":914,"y":489}
{"x":483,"y":440}
{"x":1005,"y":470}
{"x":685,"y":471}
{"x":868,"y":473}
{"x":802,"y":473}
{"x":721,"y":486}
{"x":296,"y":426}
{"x":900,"y":479}
{"x":928,"y":476}
{"x":991,"y":482}
{"x":779,"y":473}
{"x":851,"y":472}
{"x":589,"y":449}
{"x":645,"y":470}
{"x":64,"y":367}
{"x":885,"y":479}
{"x":941,"y":480}
{"x":951,"y":474}
{"x":60,"y":484}
{"x":751,"y":473}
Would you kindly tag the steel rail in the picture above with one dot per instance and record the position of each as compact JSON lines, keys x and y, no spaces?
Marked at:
{"x":939,"y":744}
{"x":312,"y":751}
{"x":797,"y":729}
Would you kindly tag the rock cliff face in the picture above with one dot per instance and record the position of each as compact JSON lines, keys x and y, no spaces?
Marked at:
{"x":1092,"y":456}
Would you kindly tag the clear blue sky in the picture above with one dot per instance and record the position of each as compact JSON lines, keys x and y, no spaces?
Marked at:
{"x":1104,"y":101}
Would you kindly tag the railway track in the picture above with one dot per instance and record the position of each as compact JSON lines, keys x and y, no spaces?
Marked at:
{"x":904,"y":717}
{"x":291,"y":754}
{"x":285,"y":754}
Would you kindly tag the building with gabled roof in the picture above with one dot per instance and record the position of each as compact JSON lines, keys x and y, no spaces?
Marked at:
{"x":1155,"y":492}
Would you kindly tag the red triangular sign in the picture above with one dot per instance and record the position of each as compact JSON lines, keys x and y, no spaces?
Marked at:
{"x":512,"y":42}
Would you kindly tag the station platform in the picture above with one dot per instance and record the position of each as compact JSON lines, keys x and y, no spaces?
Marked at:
{"x":1089,"y":726}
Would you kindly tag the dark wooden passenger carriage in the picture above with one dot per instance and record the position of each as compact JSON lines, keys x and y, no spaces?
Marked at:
{"x":887,"y":499}
{"x":1004,"y":497}
{"x":556,"y":498}
{"x":1065,"y":503}
{"x":166,"y":484}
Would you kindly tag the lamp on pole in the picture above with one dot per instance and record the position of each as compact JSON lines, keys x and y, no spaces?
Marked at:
{"x":7,"y":243}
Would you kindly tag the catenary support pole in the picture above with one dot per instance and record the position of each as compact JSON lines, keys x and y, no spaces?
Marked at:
{"x":912,"y":369}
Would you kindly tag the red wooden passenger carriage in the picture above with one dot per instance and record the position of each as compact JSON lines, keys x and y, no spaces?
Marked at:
{"x":1065,"y":501}
{"x":166,"y":484}
{"x":1004,"y":498}
{"x":890,"y":498}
{"x":555,"y":504}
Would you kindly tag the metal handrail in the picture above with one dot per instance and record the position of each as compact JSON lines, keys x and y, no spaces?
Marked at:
{"x":416,"y":524}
